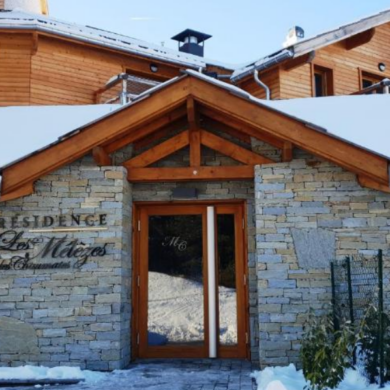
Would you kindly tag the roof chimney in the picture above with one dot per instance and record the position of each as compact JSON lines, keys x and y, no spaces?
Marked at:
{"x":33,"y":6}
{"x":294,"y":35}
{"x":191,"y":41}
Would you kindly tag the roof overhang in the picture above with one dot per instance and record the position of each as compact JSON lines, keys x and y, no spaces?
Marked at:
{"x":22,"y":21}
{"x":318,"y":42}
{"x":163,"y":104}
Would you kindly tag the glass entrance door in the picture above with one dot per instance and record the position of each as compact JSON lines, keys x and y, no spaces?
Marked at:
{"x":189,"y":303}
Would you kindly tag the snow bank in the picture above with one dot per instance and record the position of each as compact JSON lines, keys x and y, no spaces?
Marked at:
{"x":289,"y":378}
{"x":39,"y":373}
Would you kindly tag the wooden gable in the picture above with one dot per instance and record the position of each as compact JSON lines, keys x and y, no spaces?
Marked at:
{"x":181,"y":102}
{"x":346,"y":59}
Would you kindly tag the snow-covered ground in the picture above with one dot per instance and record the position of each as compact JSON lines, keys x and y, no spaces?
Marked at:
{"x":288,"y":378}
{"x":177,"y":376}
{"x":176,"y":310}
{"x":171,"y":375}
{"x":39,"y":373}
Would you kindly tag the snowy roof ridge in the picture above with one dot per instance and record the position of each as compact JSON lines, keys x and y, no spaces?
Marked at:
{"x":341,"y":117}
{"x":307,"y":45}
{"x":24,"y":20}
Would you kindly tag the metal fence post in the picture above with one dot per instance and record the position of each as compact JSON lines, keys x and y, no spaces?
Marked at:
{"x":381,"y":324}
{"x":350,"y":295}
{"x":350,"y":298}
{"x":335,"y":321}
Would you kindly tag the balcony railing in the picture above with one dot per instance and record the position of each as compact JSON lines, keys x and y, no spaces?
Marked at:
{"x":382,"y":87}
{"x":122,"y":88}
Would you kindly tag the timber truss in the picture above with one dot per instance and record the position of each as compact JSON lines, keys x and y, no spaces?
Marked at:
{"x":191,"y":104}
{"x":194,"y":136}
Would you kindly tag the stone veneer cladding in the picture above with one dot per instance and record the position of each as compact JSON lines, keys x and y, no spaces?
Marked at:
{"x":74,"y":317}
{"x":302,"y":204}
{"x":83,"y":317}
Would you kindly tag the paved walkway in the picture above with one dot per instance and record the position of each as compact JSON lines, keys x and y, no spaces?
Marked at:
{"x":175,"y":375}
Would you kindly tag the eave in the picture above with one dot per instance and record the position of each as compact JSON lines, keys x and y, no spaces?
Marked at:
{"x":155,"y":109}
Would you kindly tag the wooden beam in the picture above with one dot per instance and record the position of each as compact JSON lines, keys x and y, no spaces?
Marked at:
{"x":195,"y":149}
{"x":372,"y":184}
{"x":359,"y":39}
{"x":160,"y":151}
{"x":241,"y":127}
{"x":115,"y":126}
{"x":180,"y":124}
{"x":145,"y":130}
{"x":101,"y":157}
{"x":208,"y":123}
{"x":299,"y":61}
{"x":27,"y":189}
{"x":191,"y":112}
{"x":189,"y":174}
{"x":287,"y":152}
{"x":232,"y":150}
{"x":299,"y":133}
{"x":35,"y":43}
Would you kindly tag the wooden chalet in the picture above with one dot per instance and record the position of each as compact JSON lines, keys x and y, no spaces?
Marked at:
{"x":197,"y":218}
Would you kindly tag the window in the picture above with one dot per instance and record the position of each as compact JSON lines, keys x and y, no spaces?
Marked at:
{"x":369,"y":79}
{"x":322,"y":81}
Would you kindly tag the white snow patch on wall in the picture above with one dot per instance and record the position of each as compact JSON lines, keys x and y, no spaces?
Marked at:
{"x":25,"y":130}
{"x":362,"y":120}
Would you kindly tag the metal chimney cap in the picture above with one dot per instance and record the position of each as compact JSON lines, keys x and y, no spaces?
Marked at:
{"x":181,"y":37}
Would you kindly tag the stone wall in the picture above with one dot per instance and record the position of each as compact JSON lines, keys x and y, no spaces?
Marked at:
{"x":308,"y":213}
{"x":70,"y":316}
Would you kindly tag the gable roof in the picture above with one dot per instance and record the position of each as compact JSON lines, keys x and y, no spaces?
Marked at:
{"x":17,"y":20}
{"x":231,"y":102}
{"x":317,"y":42}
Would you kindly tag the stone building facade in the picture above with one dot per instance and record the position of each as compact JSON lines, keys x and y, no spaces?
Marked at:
{"x":307,"y":213}
{"x":68,"y":315}
{"x":300,"y":215}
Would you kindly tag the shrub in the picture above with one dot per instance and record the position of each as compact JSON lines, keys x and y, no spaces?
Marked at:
{"x":369,"y":344}
{"x":326,"y":353}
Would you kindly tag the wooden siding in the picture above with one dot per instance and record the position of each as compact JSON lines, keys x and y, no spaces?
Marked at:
{"x":49,"y":70}
{"x":271,"y":79}
{"x":66,"y":74}
{"x":346,"y":66}
{"x":15,"y":69}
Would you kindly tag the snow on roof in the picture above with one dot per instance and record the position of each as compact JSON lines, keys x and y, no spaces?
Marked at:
{"x":307,"y":45}
{"x":23,"y":20}
{"x":29,"y":129}
{"x":360,"y":120}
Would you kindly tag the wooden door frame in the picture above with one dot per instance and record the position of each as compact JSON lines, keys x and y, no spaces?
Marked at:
{"x":243,"y":349}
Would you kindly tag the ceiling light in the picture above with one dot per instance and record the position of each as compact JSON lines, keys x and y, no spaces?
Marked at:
{"x":153,"y":68}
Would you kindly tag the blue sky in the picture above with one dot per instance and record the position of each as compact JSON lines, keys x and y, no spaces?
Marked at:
{"x":243,"y":30}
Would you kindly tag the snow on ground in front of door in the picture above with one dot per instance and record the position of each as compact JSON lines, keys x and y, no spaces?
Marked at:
{"x":39,"y":373}
{"x":289,"y":378}
{"x":170,"y":374}
{"x":176,"y":310}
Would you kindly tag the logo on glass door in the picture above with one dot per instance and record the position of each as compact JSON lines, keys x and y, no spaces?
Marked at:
{"x":175,"y":242}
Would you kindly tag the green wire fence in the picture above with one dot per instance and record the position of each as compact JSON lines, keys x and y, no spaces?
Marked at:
{"x":357,"y":284}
